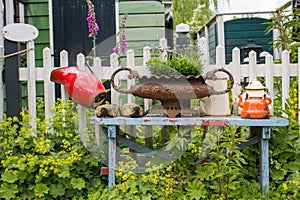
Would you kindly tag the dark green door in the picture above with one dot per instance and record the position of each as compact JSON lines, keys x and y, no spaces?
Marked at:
{"x":71,"y":29}
{"x":239,"y":31}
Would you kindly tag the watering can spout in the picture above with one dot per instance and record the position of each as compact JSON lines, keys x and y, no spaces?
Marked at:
{"x":82,"y":86}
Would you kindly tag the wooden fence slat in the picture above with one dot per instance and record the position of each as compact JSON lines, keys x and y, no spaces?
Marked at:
{"x":285,"y":77}
{"x":252,"y":66}
{"x":269,"y":76}
{"x":81,"y":109}
{"x":48,"y":85}
{"x":98,"y":131}
{"x":97,"y":63}
{"x":204,"y":52}
{"x":114,"y":63}
{"x":146,"y":55}
{"x":31,"y":84}
{"x":130,"y":98}
{"x":163,"y":44}
{"x":130,"y":82}
{"x":64,"y":62}
{"x":1,"y":85}
{"x":236,"y":73}
{"x":220,"y":56}
{"x":298,"y":84}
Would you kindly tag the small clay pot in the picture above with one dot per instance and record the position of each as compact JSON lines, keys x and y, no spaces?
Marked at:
{"x":107,"y":110}
{"x":131,"y":110}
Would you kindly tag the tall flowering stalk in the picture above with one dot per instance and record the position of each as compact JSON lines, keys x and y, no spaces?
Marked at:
{"x":92,"y":24}
{"x":123,"y":37}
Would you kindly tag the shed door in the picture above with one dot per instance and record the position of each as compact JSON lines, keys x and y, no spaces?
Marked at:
{"x":71,"y":31}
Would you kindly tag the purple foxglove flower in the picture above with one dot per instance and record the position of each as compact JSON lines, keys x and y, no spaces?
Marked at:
{"x":123,"y":44}
{"x":116,"y":49}
{"x":91,"y":19}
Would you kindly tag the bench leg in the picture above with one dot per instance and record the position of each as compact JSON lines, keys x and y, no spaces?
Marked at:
{"x":111,"y":155}
{"x":264,"y":159}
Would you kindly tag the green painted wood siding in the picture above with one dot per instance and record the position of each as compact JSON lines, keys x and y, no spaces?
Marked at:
{"x":145,"y":25}
{"x":37,"y":14}
{"x":238,"y":31}
{"x":212,"y":42}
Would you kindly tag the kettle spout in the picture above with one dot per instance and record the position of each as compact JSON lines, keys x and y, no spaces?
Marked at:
{"x":241,"y":103}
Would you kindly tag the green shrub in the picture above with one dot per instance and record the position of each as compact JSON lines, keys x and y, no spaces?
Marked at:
{"x":50,"y":166}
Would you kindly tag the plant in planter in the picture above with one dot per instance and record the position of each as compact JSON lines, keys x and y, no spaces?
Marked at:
{"x":180,"y":65}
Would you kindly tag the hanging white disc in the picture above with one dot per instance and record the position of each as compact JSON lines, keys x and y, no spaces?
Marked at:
{"x":20,"y":32}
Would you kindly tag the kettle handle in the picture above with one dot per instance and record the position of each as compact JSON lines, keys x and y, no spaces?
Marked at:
{"x":268,"y":99}
{"x":132,"y":74}
{"x":211,"y":75}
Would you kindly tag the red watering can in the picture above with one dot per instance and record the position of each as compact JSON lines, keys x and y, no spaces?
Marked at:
{"x":82,"y":86}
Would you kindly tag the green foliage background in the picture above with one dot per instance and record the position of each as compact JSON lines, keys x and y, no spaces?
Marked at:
{"x":193,"y":12}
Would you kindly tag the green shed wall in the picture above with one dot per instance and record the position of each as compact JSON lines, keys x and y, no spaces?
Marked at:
{"x":238,"y":31}
{"x":37,"y":14}
{"x":145,"y":25}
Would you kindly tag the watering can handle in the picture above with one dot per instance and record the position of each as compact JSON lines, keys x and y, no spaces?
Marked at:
{"x":212,"y":75}
{"x":132,"y":74}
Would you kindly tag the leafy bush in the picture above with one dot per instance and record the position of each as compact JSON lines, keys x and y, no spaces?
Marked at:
{"x":50,"y":166}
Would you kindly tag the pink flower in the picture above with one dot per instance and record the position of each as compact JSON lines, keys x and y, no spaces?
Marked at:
{"x":116,"y":49}
{"x":91,"y":19}
{"x":123,"y":44}
{"x":123,"y":38}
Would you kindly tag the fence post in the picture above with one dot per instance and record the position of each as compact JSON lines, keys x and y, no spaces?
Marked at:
{"x":114,"y":63}
{"x":146,"y":58}
{"x":97,"y":63}
{"x":203,"y":52}
{"x":220,"y":56}
{"x":147,"y":102}
{"x":1,"y":85}
{"x":81,"y":109}
{"x":1,"y":62}
{"x":277,"y":51}
{"x":31,"y":85}
{"x":98,"y":130}
{"x":299,"y":84}
{"x":285,"y":71}
{"x":269,"y":77}
{"x":220,"y":24}
{"x":130,"y":82}
{"x":131,"y":98}
{"x":236,"y":72}
{"x":252,"y":66}
{"x":64,"y":62}
{"x":48,"y":85}
{"x":146,"y":55}
{"x":163,"y":43}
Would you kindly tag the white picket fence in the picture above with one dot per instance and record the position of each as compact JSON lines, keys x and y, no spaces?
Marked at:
{"x":269,"y":70}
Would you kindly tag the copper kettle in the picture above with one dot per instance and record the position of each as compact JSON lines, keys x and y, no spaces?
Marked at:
{"x":255,"y":102}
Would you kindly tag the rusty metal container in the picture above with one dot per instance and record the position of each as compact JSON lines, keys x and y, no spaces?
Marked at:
{"x":173,"y":91}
